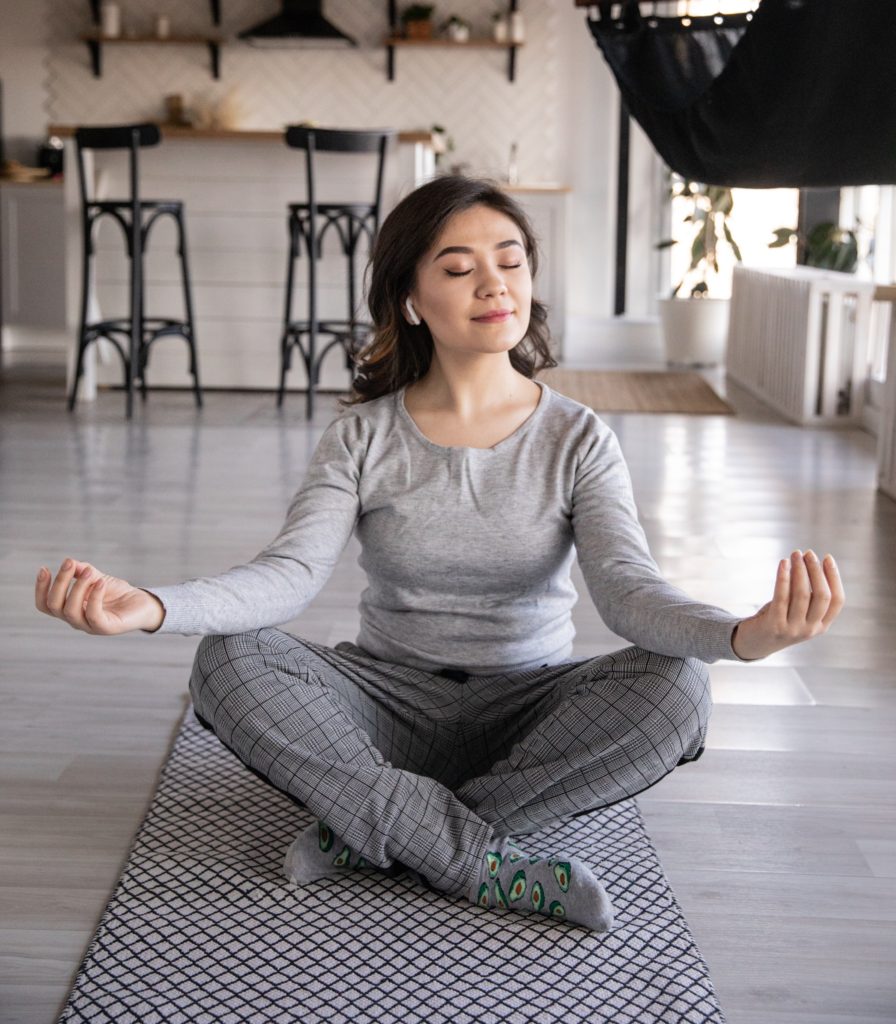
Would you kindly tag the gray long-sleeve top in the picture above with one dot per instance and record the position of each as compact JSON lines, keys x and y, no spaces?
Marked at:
{"x":467,"y":551}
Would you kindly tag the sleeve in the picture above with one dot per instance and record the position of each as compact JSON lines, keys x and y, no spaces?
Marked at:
{"x":622,"y":577}
{"x":282,"y":579}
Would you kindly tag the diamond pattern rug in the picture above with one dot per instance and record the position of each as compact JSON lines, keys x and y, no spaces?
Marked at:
{"x":202,"y":927}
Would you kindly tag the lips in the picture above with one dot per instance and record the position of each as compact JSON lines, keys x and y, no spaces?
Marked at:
{"x":496,"y":316}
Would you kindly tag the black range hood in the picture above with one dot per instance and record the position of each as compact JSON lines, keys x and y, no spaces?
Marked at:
{"x":300,"y":22}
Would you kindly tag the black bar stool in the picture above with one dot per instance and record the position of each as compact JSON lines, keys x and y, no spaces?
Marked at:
{"x":309,"y":222}
{"x":136,"y":217}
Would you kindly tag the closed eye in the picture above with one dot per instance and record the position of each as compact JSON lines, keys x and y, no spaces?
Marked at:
{"x":463,"y":273}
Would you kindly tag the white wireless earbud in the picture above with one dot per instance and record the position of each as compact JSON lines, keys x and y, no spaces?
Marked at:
{"x":412,"y":313}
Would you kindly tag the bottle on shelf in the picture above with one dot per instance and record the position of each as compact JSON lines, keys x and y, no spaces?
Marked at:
{"x":110,"y":20}
{"x":513,"y":174}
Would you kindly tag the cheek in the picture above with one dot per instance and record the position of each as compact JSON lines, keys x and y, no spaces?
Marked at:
{"x":524,"y":296}
{"x":442,"y":304}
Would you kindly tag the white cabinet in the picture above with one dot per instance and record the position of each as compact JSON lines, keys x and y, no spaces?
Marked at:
{"x":32,"y":255}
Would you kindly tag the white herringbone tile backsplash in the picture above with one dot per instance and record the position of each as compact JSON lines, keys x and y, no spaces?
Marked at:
{"x":466,"y":91}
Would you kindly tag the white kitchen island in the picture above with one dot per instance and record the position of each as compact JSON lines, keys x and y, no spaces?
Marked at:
{"x":236,"y":186}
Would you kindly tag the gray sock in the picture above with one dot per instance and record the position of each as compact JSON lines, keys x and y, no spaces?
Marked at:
{"x":559,"y":886}
{"x":317,"y":853}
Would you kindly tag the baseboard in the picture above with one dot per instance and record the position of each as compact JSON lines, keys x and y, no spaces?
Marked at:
{"x":45,"y":340}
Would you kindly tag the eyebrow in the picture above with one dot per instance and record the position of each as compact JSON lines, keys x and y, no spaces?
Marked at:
{"x":466,"y":250}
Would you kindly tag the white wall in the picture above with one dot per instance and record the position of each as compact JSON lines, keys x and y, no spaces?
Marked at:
{"x":23,"y":58}
{"x":466,"y":91}
{"x":590,"y":134}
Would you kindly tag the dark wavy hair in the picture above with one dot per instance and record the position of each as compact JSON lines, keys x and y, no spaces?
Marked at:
{"x":398,"y":352}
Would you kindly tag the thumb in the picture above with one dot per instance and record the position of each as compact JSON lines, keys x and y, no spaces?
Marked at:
{"x":94,"y":613}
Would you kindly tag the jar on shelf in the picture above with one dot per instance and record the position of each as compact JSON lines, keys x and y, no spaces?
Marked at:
{"x":517,"y":27}
{"x":110,"y":20}
{"x":500,"y":30}
{"x":458,"y":30}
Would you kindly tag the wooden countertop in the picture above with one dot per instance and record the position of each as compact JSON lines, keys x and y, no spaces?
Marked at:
{"x":538,"y":186}
{"x":176,"y":131}
{"x":170,"y":131}
{"x":40,"y":182}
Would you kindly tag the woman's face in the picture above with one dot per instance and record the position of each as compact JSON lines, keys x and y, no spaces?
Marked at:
{"x":473,"y":289}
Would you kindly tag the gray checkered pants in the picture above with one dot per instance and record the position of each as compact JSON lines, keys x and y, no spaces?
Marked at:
{"x":423,"y":769}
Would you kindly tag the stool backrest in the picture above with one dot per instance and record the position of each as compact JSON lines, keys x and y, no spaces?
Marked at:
{"x":126,"y":136}
{"x":340,"y":140}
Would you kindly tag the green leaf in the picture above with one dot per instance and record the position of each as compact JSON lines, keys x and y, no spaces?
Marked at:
{"x":783,"y":236}
{"x":666,"y":243}
{"x":711,"y":239}
{"x":721,"y":199}
{"x":730,"y":239}
{"x":821,"y":233}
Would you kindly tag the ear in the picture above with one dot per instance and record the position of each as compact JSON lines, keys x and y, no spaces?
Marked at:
{"x":413,"y":316}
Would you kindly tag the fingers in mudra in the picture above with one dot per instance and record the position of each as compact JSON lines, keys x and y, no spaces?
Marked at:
{"x":808,"y":596}
{"x":75,"y":595}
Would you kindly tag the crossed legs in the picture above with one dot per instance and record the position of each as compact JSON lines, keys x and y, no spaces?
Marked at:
{"x":410,"y":767}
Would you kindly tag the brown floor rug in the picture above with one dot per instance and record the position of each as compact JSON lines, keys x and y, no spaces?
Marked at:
{"x":637,"y":391}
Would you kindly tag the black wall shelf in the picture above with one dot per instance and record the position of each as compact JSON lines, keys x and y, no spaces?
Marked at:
{"x":396,"y":40}
{"x":96,"y":40}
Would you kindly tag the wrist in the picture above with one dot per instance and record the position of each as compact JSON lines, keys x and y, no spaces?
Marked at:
{"x":155,"y":613}
{"x":734,"y":644}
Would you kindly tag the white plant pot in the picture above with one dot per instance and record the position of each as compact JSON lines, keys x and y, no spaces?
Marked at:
{"x":695,"y":331}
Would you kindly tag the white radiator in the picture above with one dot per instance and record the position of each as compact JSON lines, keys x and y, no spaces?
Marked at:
{"x":798,"y":340}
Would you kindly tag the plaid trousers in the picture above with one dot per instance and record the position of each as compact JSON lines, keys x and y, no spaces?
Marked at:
{"x":426,"y":769}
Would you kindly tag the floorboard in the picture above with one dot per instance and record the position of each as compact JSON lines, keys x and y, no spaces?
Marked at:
{"x":780,"y":842}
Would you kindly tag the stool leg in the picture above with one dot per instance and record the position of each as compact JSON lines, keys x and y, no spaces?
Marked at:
{"x":287,"y":315}
{"x":136,"y":313}
{"x":312,"y":327}
{"x":142,"y":343}
{"x":188,"y":306}
{"x":82,"y":330}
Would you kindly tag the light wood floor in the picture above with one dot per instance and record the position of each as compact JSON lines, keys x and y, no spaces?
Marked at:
{"x":780,"y":842}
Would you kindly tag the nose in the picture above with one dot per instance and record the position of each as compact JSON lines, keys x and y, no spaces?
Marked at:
{"x":492,"y":283}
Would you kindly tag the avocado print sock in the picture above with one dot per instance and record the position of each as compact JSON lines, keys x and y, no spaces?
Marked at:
{"x":560,"y":887}
{"x":317,"y":853}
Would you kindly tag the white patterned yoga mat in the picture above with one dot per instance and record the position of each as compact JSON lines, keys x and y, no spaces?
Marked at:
{"x":202,"y":927}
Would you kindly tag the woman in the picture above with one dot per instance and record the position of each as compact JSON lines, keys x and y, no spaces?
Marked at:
{"x":459,"y":718}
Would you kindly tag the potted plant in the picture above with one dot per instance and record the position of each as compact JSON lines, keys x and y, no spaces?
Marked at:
{"x":417,"y":21}
{"x":695,"y":326}
{"x":827,"y":246}
{"x":457,"y":29}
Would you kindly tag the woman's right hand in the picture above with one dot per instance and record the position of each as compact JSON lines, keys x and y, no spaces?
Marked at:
{"x":96,"y":603}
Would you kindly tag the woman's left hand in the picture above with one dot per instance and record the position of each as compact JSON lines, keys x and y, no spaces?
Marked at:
{"x":808,"y":597}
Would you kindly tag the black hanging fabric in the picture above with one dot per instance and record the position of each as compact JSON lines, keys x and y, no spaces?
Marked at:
{"x":802,"y":95}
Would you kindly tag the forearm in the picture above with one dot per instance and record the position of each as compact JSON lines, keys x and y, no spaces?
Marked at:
{"x":660,"y":617}
{"x":266,"y":592}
